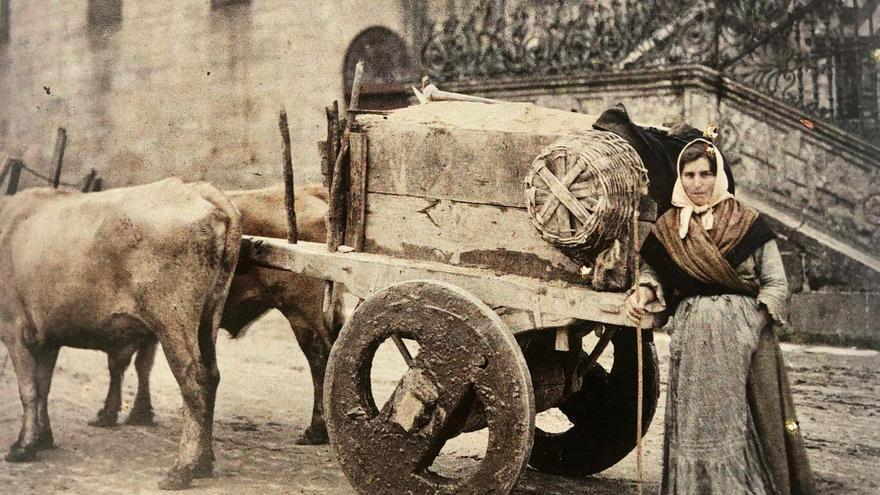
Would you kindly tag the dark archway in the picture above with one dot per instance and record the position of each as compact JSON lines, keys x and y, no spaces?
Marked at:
{"x":387,"y":67}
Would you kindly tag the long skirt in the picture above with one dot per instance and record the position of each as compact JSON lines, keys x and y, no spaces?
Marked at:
{"x":711,"y":445}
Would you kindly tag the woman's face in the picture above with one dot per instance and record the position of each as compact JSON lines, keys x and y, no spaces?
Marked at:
{"x":698,"y":181}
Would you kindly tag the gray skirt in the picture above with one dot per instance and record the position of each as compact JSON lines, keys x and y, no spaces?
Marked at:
{"x":710,"y":444}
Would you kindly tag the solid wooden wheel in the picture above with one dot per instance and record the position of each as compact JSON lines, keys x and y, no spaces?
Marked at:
{"x":603,"y":413}
{"x":466,"y":356}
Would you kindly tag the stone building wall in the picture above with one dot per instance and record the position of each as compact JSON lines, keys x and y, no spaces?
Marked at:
{"x":190,"y":88}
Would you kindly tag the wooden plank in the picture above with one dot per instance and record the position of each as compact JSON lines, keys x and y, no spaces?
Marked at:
{"x":364,"y":274}
{"x":357,"y":199}
{"x":484,"y":236}
{"x":456,"y":164}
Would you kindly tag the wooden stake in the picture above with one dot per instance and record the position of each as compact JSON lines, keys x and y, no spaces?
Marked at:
{"x":331,"y":146}
{"x":355,"y":100}
{"x":87,"y":182}
{"x":337,"y":189}
{"x":15,"y":167}
{"x":58,"y":157}
{"x":287,"y":163}
{"x":6,"y":167}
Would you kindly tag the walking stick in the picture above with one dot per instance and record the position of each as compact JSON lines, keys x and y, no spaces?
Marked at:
{"x":639,"y":361}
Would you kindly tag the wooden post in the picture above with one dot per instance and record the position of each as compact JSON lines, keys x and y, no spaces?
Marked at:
{"x":15,"y":167}
{"x":88,"y":181}
{"x":58,"y":157}
{"x":288,"y":177}
{"x":98,"y":184}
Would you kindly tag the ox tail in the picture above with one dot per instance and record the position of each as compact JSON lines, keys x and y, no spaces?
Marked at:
{"x":226,"y":259}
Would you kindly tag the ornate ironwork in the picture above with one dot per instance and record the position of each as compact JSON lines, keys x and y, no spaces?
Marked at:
{"x":821,"y":55}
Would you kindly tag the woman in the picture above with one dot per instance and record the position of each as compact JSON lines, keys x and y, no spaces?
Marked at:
{"x":713,"y":263}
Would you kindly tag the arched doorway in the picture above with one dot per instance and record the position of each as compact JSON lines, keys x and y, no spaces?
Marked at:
{"x":388,"y":67}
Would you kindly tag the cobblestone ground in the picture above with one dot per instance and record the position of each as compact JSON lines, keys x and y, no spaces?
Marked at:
{"x":264,"y":403}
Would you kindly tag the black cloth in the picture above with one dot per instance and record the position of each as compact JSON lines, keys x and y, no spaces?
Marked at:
{"x":658,"y":150}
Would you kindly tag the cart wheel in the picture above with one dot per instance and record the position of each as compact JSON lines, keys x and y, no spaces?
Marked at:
{"x":603,"y":413}
{"x":467,"y":356}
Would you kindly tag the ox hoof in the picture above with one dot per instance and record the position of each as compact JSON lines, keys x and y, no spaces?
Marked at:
{"x":176,"y":479}
{"x":45,"y":442}
{"x":203,"y":470}
{"x":313,"y":436}
{"x":137,"y":418}
{"x":21,"y":454}
{"x":104,"y":419}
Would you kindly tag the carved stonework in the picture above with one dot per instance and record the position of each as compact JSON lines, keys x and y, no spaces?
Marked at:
{"x":815,"y":54}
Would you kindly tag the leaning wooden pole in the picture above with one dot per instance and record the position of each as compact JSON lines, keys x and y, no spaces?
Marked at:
{"x":58,"y":156}
{"x":287,"y":163}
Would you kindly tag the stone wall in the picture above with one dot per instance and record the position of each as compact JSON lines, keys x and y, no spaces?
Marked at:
{"x":176,"y":87}
{"x":820,"y":186}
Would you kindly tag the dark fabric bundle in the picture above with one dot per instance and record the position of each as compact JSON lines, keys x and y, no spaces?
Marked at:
{"x":658,"y":150}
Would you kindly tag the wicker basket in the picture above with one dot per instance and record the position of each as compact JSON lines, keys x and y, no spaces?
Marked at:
{"x":583,"y":190}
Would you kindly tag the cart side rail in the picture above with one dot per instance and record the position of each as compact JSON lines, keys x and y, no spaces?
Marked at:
{"x":547,"y":303}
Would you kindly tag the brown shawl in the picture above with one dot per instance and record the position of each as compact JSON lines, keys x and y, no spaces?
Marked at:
{"x":704,"y":261}
{"x":701,"y":253}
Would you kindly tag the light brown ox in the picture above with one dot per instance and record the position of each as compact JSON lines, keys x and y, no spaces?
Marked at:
{"x":254,"y":291}
{"x":110,"y":271}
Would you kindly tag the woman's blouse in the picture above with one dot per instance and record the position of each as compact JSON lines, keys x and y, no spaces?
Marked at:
{"x":764,"y":266}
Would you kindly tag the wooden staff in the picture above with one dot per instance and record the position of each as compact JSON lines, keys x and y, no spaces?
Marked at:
{"x":58,"y":156}
{"x":639,"y":361}
{"x":288,"y":177}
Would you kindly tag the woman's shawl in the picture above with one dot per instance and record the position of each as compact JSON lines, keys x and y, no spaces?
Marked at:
{"x":704,"y":262}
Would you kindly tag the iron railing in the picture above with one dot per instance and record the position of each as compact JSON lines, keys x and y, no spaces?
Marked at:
{"x":822,"y":56}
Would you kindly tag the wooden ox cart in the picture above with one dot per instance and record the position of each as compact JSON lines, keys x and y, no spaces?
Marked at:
{"x":495,"y":236}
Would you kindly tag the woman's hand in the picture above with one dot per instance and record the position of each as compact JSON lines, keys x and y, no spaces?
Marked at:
{"x":763,"y":316}
{"x":636,"y":302}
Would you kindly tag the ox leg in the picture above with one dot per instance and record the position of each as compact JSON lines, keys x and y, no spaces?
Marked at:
{"x":45,"y":369}
{"x":142,"y":411}
{"x":117,"y":362}
{"x":25,"y":447}
{"x":316,"y":353}
{"x":197,"y":377}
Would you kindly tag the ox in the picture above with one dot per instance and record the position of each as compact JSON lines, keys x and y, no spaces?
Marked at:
{"x":255,"y":291}
{"x":111,"y":271}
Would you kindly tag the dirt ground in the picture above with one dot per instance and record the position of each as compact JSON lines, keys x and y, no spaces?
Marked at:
{"x":264,"y":403}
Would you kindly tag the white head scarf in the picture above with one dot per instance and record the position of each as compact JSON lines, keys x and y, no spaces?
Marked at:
{"x":688,"y":208}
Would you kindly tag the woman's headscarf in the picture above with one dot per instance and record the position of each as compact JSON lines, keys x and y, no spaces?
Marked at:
{"x":688,"y":208}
